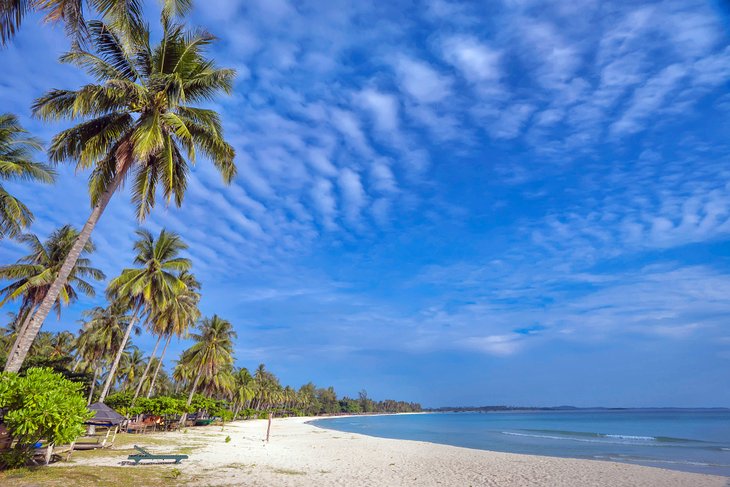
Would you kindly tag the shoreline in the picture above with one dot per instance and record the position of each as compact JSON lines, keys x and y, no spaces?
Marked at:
{"x":302,"y":454}
{"x":648,"y":463}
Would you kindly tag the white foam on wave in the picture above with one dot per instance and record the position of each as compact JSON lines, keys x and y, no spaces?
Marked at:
{"x":600,"y":438}
{"x":631,"y":437}
{"x":549,"y":437}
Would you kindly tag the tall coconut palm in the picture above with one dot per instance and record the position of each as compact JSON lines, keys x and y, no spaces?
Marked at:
{"x":125,"y":14}
{"x":131,"y":367}
{"x":9,"y":332}
{"x":211,"y":354}
{"x":16,"y":163}
{"x":139,"y":122}
{"x":150,"y":286}
{"x":63,"y":344}
{"x":244,"y":389}
{"x":101,"y":334}
{"x":42,"y":344}
{"x":32,"y":276}
{"x":177,"y":317}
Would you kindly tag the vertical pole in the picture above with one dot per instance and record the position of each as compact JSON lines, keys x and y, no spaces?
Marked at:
{"x":268,"y":428}
{"x":49,"y":453}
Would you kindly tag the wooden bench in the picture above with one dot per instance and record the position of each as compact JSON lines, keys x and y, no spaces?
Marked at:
{"x":146,"y":455}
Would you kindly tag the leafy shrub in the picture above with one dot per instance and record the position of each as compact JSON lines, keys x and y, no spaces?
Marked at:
{"x":215,"y":408}
{"x":120,"y":401}
{"x":159,"y":406}
{"x":228,"y":439}
{"x":247,"y":413}
{"x":40,"y":405}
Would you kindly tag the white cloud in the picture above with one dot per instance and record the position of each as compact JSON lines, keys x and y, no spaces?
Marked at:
{"x":421,"y":81}
{"x":382,"y":177}
{"x":382,"y":106}
{"x":500,"y":345}
{"x":477,"y":61}
{"x":353,"y":194}
{"x":324,"y":201}
{"x":648,"y":99}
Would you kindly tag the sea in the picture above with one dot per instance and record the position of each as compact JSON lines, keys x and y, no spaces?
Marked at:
{"x":691,"y":440}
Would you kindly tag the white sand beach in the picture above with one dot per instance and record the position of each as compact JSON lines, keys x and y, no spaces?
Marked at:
{"x":300,"y":454}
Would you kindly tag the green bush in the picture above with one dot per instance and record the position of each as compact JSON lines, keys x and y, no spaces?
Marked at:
{"x":120,"y":401}
{"x":159,"y":406}
{"x":247,"y":413}
{"x":40,"y":405}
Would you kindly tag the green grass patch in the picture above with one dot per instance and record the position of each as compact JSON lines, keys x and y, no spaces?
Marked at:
{"x":122,"y":453}
{"x":127,"y":439}
{"x":286,"y":471}
{"x":86,"y":476}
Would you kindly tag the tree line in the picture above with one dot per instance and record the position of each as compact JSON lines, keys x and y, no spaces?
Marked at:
{"x":138,"y":120}
{"x":158,"y":295}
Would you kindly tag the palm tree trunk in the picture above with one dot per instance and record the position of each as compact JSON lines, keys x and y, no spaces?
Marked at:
{"x":192,"y":393}
{"x":93,"y":386}
{"x":159,"y":365}
{"x":113,"y":369}
{"x":146,"y":369}
{"x":16,"y":358}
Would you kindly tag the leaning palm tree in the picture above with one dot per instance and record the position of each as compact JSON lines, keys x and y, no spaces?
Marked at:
{"x":211,"y":354}
{"x":140,"y":122}
{"x":177,"y":317}
{"x":32,"y":275}
{"x":150,"y":286}
{"x":16,"y":163}
{"x":125,"y":14}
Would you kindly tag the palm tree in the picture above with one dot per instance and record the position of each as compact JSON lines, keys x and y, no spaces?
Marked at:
{"x":63,"y":344}
{"x":126,"y":14}
{"x":139,"y":122}
{"x":131,"y":366}
{"x":150,"y":286}
{"x":42,"y":344}
{"x":33,"y":274}
{"x":102,"y":333}
{"x":211,"y":354}
{"x":10,"y":331}
{"x":16,"y":163}
{"x":177,"y":317}
{"x":244,"y":389}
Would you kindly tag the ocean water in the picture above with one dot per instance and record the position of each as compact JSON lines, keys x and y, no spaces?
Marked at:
{"x":688,"y":440}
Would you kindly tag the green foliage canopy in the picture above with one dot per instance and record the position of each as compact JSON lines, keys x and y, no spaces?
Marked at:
{"x":43,"y":404}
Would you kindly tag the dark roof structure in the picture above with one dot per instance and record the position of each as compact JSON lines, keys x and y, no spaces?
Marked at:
{"x":104,"y":415}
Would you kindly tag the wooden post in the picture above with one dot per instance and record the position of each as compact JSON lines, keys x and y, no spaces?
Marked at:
{"x":49,"y":453}
{"x":70,"y":450}
{"x":268,"y":428}
{"x":116,"y":428}
{"x":108,"y":430}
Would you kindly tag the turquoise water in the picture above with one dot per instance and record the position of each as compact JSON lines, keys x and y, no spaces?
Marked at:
{"x":688,"y":440}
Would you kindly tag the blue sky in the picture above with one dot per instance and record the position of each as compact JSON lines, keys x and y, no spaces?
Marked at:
{"x":515,"y":202}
